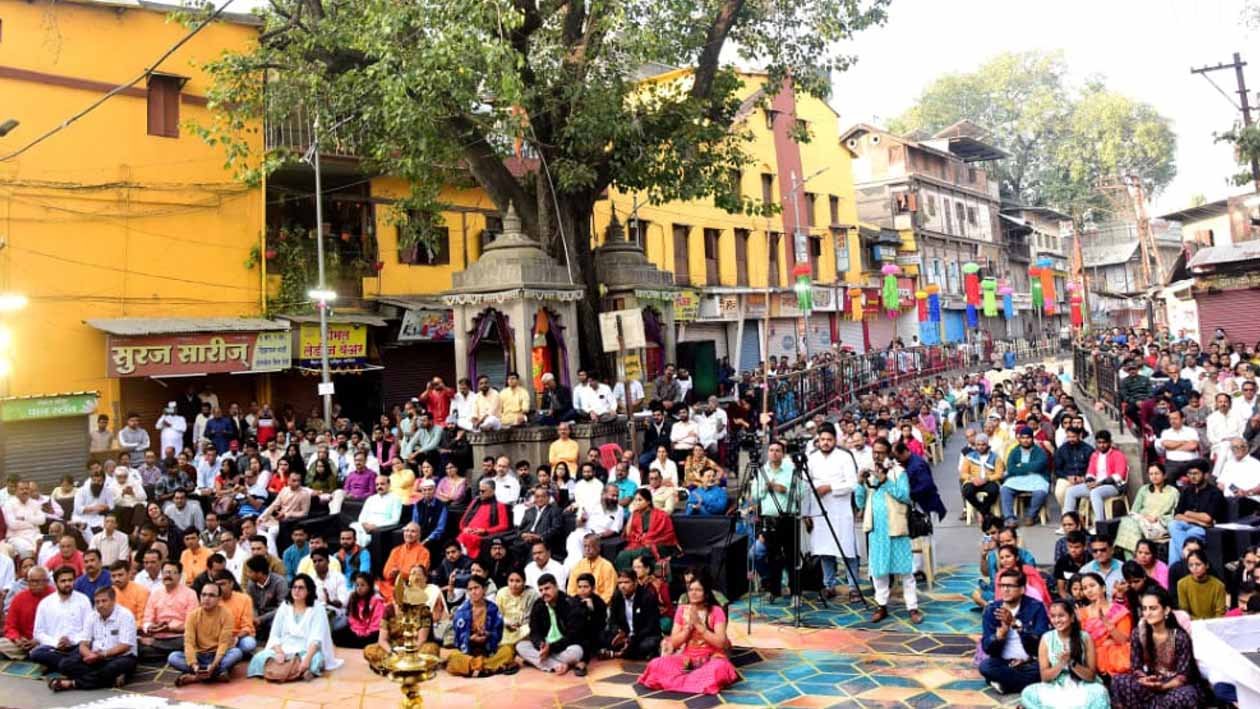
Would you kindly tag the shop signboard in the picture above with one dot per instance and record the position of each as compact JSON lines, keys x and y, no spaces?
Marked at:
{"x":47,"y":407}
{"x":187,"y":354}
{"x":347,"y":345}
{"x":686,"y":305}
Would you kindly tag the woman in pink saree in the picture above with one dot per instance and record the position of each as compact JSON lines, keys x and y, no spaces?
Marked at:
{"x":693,"y":658}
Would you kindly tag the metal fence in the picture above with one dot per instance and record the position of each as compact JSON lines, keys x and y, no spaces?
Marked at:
{"x":1097,"y":375}
{"x":796,"y":396}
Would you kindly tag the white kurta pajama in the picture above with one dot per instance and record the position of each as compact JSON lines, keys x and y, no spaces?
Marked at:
{"x":837,"y":470}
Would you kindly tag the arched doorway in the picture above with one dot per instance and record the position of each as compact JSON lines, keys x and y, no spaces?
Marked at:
{"x":490,"y":347}
{"x":548,"y":351}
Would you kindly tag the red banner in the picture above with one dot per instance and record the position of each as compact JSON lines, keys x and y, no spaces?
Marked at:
{"x":197,"y":353}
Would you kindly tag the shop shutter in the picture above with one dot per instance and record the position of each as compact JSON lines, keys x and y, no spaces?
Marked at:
{"x":46,"y":450}
{"x":409,"y":368}
{"x":851,"y":335}
{"x":750,"y":346}
{"x":819,"y":333}
{"x":954,"y":330}
{"x":881,"y":331}
{"x":1234,"y":311}
{"x":490,"y":364}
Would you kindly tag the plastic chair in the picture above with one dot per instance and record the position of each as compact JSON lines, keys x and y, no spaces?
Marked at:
{"x":995,"y":509}
{"x":609,"y":455}
{"x":1023,"y":499}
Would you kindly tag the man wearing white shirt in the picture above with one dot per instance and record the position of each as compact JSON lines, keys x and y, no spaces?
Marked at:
{"x":23,"y":518}
{"x":712,"y":423}
{"x":234,"y":554}
{"x":1179,"y":444}
{"x":1222,"y":427}
{"x":587,"y":491}
{"x":107,"y":651}
{"x":207,"y":470}
{"x":834,"y":474}
{"x":1245,"y":405}
{"x":636,"y":396}
{"x":60,"y":621}
{"x":462,"y":405}
{"x":111,"y":543}
{"x":330,"y":587}
{"x":1193,"y":374}
{"x":683,"y":435}
{"x":604,"y":521}
{"x":507,"y":489}
{"x":151,"y":575}
{"x":631,"y":460}
{"x":1240,"y":476}
{"x":583,"y":397}
{"x":8,"y":575}
{"x":862,"y":453}
{"x":544,"y":564}
{"x":380,"y":510}
{"x":171,"y":427}
{"x":665,"y":465}
{"x":603,"y":406}
{"x":92,"y":501}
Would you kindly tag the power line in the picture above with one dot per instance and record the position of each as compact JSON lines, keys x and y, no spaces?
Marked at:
{"x":121,"y":87}
{"x":125,"y":271}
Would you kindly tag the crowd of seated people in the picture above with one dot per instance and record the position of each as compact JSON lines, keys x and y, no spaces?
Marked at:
{"x":277,"y":544}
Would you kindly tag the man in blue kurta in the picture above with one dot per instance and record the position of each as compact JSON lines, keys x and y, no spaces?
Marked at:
{"x":1027,"y":470}
{"x":884,"y":498}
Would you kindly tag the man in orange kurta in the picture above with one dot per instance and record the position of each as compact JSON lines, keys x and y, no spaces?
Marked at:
{"x":402,"y":558}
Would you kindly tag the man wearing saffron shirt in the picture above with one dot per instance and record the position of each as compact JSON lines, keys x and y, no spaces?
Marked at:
{"x":437,"y":399}
{"x":485,"y":517}
{"x":19,"y":622}
{"x":403,"y":557}
{"x":361,"y":482}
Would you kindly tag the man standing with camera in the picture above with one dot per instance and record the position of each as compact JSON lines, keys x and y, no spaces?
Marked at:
{"x":778,"y":503}
{"x":829,"y":514}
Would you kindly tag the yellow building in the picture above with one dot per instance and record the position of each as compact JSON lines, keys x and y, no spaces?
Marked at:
{"x":124,"y":215}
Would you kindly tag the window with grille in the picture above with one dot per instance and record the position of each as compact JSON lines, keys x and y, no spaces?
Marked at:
{"x":437,"y":253}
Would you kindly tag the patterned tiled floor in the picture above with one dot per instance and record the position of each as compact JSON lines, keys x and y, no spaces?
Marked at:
{"x":841,"y":661}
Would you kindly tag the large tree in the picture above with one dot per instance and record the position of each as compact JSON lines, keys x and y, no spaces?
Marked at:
{"x":435,"y":91}
{"x":1065,"y":141}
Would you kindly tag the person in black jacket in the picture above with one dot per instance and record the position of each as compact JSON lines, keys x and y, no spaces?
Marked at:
{"x":634,"y":620}
{"x":588,"y":620}
{"x":552,"y":645}
{"x":656,"y":434}
{"x":543,"y":522}
{"x":557,"y":402}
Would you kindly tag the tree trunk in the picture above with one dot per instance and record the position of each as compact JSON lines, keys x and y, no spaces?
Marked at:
{"x":570,"y":244}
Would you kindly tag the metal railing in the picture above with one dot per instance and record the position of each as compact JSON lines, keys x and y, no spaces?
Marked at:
{"x":796,"y":396}
{"x":1097,"y":376}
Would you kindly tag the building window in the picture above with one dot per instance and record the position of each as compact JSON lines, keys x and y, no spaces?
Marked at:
{"x":935,"y":273}
{"x":931,"y":205}
{"x":773,"y":271}
{"x":741,"y":257}
{"x":163,"y":108}
{"x":737,"y":187}
{"x":815,"y":252}
{"x":802,"y":128}
{"x":494,"y":227}
{"x":767,"y":188}
{"x":834,"y":203}
{"x":960,"y":214}
{"x":770,"y":116}
{"x":711,"y":256}
{"x":971,"y":216}
{"x":682,"y":270}
{"x":841,"y":237}
{"x":420,"y":254}
{"x":638,"y":232}
{"x":811,"y":202}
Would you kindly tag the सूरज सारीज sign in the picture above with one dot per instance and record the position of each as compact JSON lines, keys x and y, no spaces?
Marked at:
{"x":197,"y":353}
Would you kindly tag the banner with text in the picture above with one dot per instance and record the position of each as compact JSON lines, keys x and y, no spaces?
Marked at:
{"x":347,"y":345}
{"x":173,"y":355}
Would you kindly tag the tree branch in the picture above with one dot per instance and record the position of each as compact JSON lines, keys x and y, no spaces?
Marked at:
{"x":707,"y":65}
{"x":488,"y":169}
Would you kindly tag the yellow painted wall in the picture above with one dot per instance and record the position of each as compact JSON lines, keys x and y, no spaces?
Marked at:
{"x":103,"y":220}
{"x":464,"y":225}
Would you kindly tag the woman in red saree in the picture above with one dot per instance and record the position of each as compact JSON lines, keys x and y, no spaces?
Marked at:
{"x":647,"y":529}
{"x":693,"y":658}
{"x":484,"y":518}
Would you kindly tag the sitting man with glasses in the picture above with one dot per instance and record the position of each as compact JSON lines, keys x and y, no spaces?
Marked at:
{"x":1013,"y":626}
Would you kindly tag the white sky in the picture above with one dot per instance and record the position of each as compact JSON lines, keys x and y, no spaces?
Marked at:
{"x":1143,"y":49}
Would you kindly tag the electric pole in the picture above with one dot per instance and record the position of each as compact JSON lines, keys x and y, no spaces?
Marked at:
{"x":1244,"y":104}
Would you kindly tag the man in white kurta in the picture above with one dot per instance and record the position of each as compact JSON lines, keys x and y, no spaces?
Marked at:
{"x":23,"y":516}
{"x":833,"y":472}
{"x":1222,"y":427}
{"x":171,"y":427}
{"x":1240,"y":476}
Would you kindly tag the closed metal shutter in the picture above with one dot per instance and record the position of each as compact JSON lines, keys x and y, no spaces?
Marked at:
{"x":908,"y":327}
{"x":409,"y":368}
{"x":750,"y":346}
{"x":1234,"y":311}
{"x":784,"y":336}
{"x":881,"y":331}
{"x":851,"y":335}
{"x":954,"y":325}
{"x":819,"y":333}
{"x":46,"y":450}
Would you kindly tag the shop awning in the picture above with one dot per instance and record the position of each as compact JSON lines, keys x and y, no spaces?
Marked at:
{"x":166,"y":326}
{"x":336,"y":317}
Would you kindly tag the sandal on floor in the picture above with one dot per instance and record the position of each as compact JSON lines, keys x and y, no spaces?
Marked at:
{"x":185,"y":679}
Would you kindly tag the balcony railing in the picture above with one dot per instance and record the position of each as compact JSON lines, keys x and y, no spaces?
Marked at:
{"x":296,"y":132}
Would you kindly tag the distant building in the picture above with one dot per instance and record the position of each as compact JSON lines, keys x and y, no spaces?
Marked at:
{"x":1226,"y":221}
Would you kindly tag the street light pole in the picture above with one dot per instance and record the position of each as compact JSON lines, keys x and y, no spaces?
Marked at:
{"x":796,"y":237}
{"x":325,"y":376}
